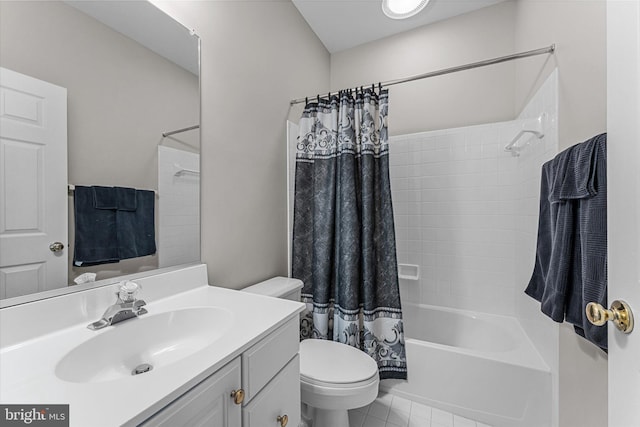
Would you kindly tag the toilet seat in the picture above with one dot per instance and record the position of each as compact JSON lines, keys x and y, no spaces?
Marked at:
{"x":316,"y":383}
{"x":330,"y":363}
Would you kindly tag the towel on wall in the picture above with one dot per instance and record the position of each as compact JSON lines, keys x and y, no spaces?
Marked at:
{"x":136,"y":227}
{"x":95,"y":226}
{"x":113,"y":223}
{"x":125,"y":198}
{"x":571,"y":255}
{"x":104,"y":197}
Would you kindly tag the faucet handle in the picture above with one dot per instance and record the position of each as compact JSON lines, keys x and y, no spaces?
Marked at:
{"x":128,"y":291}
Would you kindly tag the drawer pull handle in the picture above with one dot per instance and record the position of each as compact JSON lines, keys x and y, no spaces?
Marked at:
{"x":283,"y":420}
{"x":238,"y":396}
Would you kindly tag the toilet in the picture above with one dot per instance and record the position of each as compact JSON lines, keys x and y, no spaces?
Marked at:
{"x":334,"y":377}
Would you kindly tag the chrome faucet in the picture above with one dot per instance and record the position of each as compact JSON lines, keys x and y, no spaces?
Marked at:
{"x":126,"y":307}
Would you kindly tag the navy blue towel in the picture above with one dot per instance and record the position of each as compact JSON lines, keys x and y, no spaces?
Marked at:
{"x":95,"y":227}
{"x":136,"y":228}
{"x":104,"y":197}
{"x":125,"y":198}
{"x":571,"y":255}
{"x":113,"y":223}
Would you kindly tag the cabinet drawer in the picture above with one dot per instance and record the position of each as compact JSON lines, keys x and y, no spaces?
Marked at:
{"x":207,"y":404}
{"x":280,"y":397}
{"x":265,"y":359}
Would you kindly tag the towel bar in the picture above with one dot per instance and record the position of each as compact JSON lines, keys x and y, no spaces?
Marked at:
{"x":535,"y":127}
{"x":183,"y":171}
{"x":71,"y":188}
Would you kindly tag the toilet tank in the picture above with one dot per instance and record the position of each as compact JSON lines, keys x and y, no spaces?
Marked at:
{"x":278,"y":287}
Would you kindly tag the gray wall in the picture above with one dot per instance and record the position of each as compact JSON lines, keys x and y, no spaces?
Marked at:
{"x":121,"y":96}
{"x":579,"y":30}
{"x":499,"y":93}
{"x":453,"y":100}
{"x":256,"y":56}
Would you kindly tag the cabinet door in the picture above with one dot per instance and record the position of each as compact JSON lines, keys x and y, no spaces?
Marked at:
{"x":265,"y":359}
{"x":279,"y":398}
{"x":207,"y":404}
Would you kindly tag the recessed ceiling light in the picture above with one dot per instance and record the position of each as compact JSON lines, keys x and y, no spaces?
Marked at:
{"x":401,"y":9}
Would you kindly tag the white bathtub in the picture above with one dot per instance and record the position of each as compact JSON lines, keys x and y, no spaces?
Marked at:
{"x":476,"y":365}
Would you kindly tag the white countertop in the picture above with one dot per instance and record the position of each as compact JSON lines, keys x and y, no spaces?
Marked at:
{"x":27,"y":368}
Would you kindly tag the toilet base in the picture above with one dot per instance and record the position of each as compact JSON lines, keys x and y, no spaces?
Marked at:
{"x":330,"y":418}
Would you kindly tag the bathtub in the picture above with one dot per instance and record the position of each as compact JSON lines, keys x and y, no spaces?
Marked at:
{"x":479,"y":366}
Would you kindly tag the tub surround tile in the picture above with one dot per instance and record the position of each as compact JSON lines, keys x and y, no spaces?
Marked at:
{"x":463,"y":185}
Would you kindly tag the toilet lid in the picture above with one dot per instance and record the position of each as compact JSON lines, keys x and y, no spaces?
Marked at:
{"x":332,"y":362}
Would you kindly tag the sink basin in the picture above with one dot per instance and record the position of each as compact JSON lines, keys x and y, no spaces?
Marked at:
{"x":158,"y":340}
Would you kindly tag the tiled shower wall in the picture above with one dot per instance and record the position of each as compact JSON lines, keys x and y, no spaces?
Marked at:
{"x":540,"y":329}
{"x":466,"y":210}
{"x":178,"y":207}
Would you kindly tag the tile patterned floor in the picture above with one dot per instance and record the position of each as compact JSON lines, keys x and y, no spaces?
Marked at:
{"x":393,"y":411}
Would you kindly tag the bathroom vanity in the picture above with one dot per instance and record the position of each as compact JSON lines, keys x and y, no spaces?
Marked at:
{"x":259,"y":388}
{"x":202,"y":355}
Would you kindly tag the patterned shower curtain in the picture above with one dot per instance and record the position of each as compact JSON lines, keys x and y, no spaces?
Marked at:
{"x":343,"y":235}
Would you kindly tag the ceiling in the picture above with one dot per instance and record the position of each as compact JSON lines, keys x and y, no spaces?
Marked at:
{"x":343,"y":24}
{"x":145,"y":23}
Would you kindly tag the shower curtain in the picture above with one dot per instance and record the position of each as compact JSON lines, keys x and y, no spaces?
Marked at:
{"x":343,"y":234}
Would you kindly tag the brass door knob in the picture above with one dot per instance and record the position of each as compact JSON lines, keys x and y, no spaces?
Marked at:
{"x":56,"y":246}
{"x":238,"y":396}
{"x":283,"y":420}
{"x":620,"y":313}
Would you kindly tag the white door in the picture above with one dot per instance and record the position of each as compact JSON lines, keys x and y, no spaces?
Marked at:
{"x":33,"y":185}
{"x":623,"y":180}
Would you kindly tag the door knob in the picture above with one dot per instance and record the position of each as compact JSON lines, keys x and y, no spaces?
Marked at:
{"x":620,"y":313}
{"x":283,"y":420}
{"x":56,"y":246}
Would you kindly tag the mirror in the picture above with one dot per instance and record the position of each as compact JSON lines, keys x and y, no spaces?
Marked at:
{"x":131,"y":77}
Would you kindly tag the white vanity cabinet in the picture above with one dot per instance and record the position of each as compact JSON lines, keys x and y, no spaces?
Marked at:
{"x":271,"y":379}
{"x":260,"y":388}
{"x":204,"y":342}
{"x":278,"y":404}
{"x":207,"y":404}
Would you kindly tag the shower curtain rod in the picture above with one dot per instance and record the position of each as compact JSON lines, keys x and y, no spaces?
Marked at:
{"x":173,"y":132}
{"x":541,"y":51}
